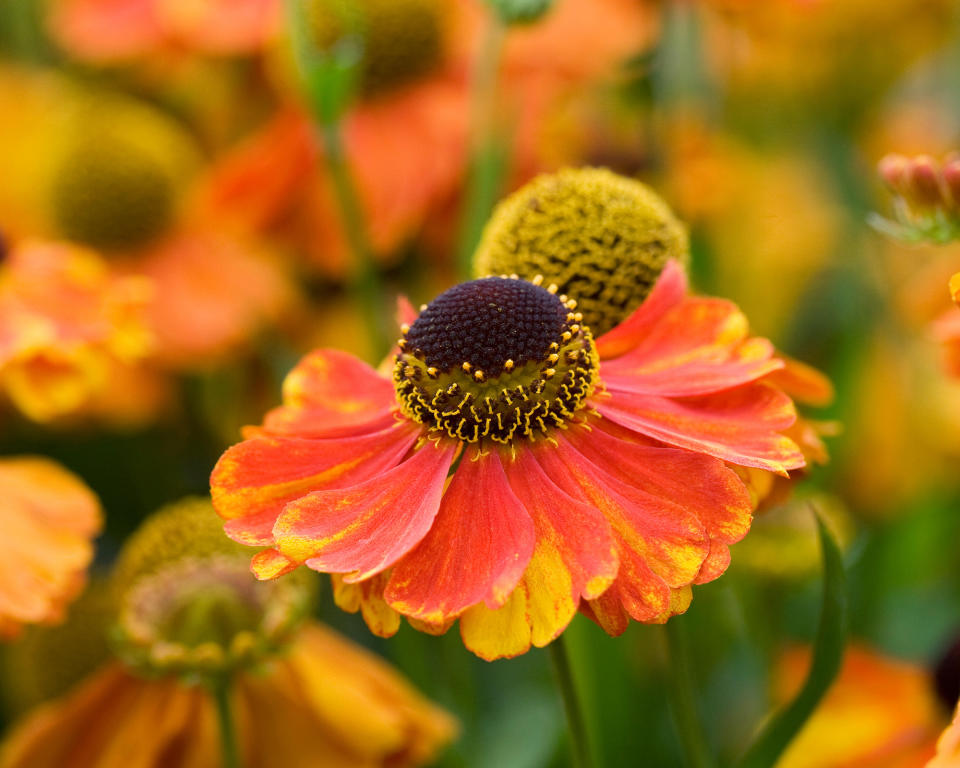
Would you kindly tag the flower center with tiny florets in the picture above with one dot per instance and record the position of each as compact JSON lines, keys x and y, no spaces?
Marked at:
{"x":496,"y":358}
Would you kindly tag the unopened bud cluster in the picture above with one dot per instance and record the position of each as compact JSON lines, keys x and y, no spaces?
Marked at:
{"x":926,"y":204}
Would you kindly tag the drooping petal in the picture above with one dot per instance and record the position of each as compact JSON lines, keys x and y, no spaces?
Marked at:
{"x":367,"y":597}
{"x":270,"y":564}
{"x":500,"y":633}
{"x":702,"y":485}
{"x":361,"y":530}
{"x":255,"y":479}
{"x":700,"y":346}
{"x":658,"y":542}
{"x":802,"y":382}
{"x":332,"y":394}
{"x":571,"y":536}
{"x":477,"y":549}
{"x":666,"y":294}
{"x":741,"y":425}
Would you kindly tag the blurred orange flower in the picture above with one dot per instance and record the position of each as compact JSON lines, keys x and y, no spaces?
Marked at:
{"x":66,"y":324}
{"x":48,"y":517}
{"x":105,"y":31}
{"x":325,"y":702}
{"x":879,"y":713}
{"x":121,"y":177}
{"x":350,"y":475}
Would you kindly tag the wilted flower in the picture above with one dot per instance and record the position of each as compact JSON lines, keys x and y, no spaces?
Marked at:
{"x":502,"y":380}
{"x":67,"y":323}
{"x":48,"y":517}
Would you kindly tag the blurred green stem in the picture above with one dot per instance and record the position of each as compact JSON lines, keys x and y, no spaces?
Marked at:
{"x":220,"y":690}
{"x":365,"y":283}
{"x":682,"y":700}
{"x":488,"y":157}
{"x":580,"y":749}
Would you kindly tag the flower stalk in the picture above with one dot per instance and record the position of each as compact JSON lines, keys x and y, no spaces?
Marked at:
{"x":693,"y":741}
{"x":576,"y":724}
{"x":329,"y":79}
{"x":220,"y":689}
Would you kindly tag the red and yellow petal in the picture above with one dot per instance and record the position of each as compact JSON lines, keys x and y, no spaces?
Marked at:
{"x":254,"y":480}
{"x":660,"y":544}
{"x":364,"y":529}
{"x":700,"y":346}
{"x":802,"y":382}
{"x":703,"y":485}
{"x":332,"y":394}
{"x":476,"y":551}
{"x":669,"y":291}
{"x":740,"y":425}
{"x":367,"y":597}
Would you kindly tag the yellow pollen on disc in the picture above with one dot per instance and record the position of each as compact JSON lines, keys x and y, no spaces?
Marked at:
{"x":528,"y":369}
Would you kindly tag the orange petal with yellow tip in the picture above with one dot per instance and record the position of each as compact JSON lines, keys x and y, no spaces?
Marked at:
{"x":477,"y":549}
{"x":702,"y":485}
{"x":955,"y":287}
{"x":255,"y":479}
{"x":656,"y":539}
{"x":572,"y":537}
{"x":364,"y":529}
{"x":332,"y":394}
{"x":222,"y":26}
{"x":269,"y":564}
{"x":803,"y":383}
{"x":500,"y":633}
{"x":700,"y":346}
{"x":740,"y":425}
{"x":367,"y":597}
{"x":668,"y":292}
{"x":653,"y":513}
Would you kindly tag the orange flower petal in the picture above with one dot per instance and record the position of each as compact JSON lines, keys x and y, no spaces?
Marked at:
{"x":739,"y":425}
{"x":105,"y":30}
{"x":669,"y":291}
{"x":477,"y":549}
{"x":700,"y":346}
{"x":254,"y":480}
{"x":658,"y":541}
{"x":332,"y":394}
{"x":367,"y":597}
{"x":802,"y":382}
{"x":361,"y":530}
{"x":576,"y":535}
{"x":222,"y":26}
{"x":703,"y":485}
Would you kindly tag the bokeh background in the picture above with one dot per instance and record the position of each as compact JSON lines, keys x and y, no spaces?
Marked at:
{"x":186,"y":155}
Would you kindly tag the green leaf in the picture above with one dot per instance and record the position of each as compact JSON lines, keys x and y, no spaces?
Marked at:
{"x":827,"y":658}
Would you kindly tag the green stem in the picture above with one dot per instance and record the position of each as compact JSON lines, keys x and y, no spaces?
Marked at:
{"x":682,"y":700}
{"x":220,"y":691}
{"x":488,"y":161}
{"x":365,"y":284}
{"x":571,"y":703}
